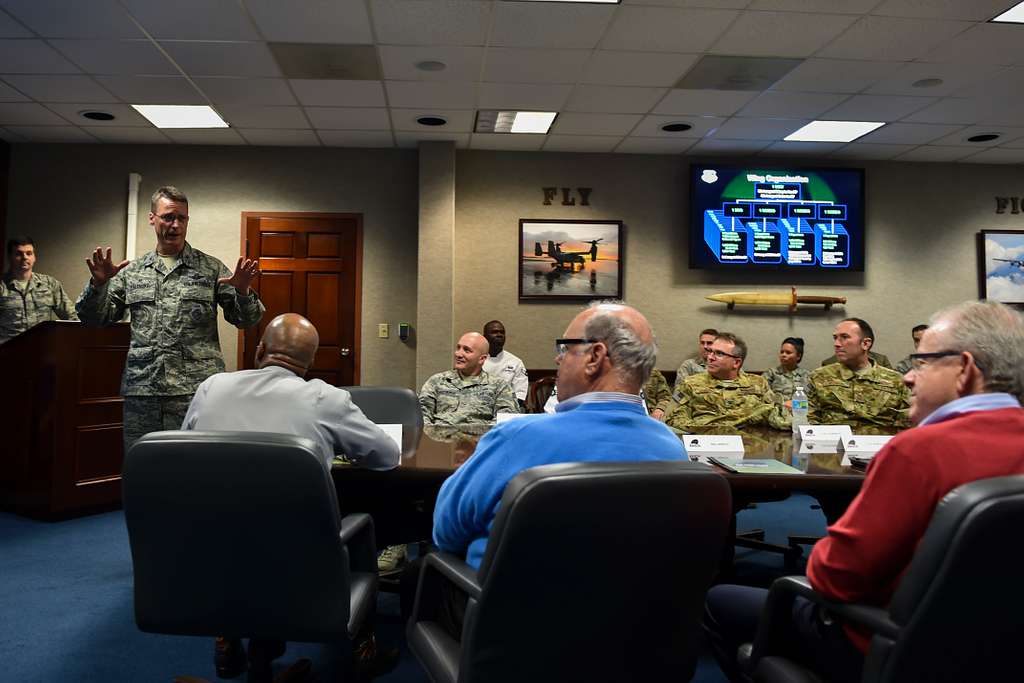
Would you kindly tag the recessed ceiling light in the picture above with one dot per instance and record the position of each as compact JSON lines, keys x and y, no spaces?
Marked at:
{"x":676,"y":127}
{"x":927,"y":83}
{"x":494,"y":121}
{"x":180,"y":116}
{"x":431,"y":65}
{"x":431,"y":120}
{"x":983,"y":137}
{"x":1014,"y":15}
{"x":96,"y":115}
{"x":833,"y":131}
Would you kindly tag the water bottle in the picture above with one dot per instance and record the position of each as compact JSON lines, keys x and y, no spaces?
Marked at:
{"x":799,"y":408}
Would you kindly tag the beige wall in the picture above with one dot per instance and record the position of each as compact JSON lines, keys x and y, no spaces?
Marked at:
{"x":921,"y":225}
{"x":71,"y":198}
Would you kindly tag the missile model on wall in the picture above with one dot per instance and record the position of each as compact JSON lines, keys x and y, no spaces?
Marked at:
{"x":730,"y":299}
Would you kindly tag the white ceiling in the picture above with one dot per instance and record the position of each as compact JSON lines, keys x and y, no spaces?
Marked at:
{"x":609,"y":70}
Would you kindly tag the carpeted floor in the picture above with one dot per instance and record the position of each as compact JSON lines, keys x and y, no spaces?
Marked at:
{"x":66,"y":604}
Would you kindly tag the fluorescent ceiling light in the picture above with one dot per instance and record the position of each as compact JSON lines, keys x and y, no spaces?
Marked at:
{"x":493,"y":121}
{"x":180,"y":116}
{"x":833,"y":131}
{"x":1014,"y":15}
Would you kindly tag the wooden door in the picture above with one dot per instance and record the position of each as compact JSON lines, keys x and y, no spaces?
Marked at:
{"x":310,"y":264}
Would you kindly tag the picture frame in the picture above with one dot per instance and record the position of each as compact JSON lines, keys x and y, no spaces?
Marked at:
{"x":1001,"y":266}
{"x":570,"y":259}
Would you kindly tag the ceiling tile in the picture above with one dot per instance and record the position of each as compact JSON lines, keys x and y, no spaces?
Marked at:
{"x":934,"y":153}
{"x":974,"y":10}
{"x":757,"y":129}
{"x":418,"y":94}
{"x":909,"y":133}
{"x":409,"y":139}
{"x":246,"y":90}
{"x":459,"y":120}
{"x":581,"y":143}
{"x":968,"y":111}
{"x":524,"y":97}
{"x":60,"y":88}
{"x":889,"y":38}
{"x":51,"y":133}
{"x":9,"y":94}
{"x":28,"y":114}
{"x":665,"y":29}
{"x":9,"y":28}
{"x":866,"y":150}
{"x":1005,"y":82}
{"x":521,"y":142}
{"x":711,"y":146}
{"x":562,"y":25}
{"x":280,"y":138}
{"x":248,"y":116}
{"x":8,"y":136}
{"x":349,"y":118}
{"x":654,"y":146}
{"x":780,"y":104}
{"x":204,"y":136}
{"x":124,"y":115}
{"x":194,"y":19}
{"x":845,"y":7}
{"x":1013,"y":144}
{"x":614,"y":99}
{"x":954,"y":77}
{"x":1006,"y":134}
{"x":461,"y":63}
{"x":357,"y":138}
{"x":595,"y":124}
{"x":128,"y":135}
{"x":320,"y":93}
{"x":780,"y":34}
{"x":63,"y":19}
{"x":608,"y":67}
{"x":835,"y":75}
{"x":996,"y":156}
{"x":116,"y":57}
{"x":991,"y":44}
{"x":207,"y":58}
{"x":414,"y":22}
{"x":650,"y":126}
{"x":708,"y":102}
{"x":720,"y":4}
{"x":783,"y":148}
{"x":877,"y":108}
{"x":521,"y":65}
{"x":152,"y":89}
{"x":312,"y":21}
{"x":32,"y":57}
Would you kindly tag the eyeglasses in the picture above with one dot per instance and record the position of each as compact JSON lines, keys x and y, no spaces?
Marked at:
{"x":721,"y":354}
{"x":171,"y":217}
{"x":562,"y":345}
{"x":919,"y":361}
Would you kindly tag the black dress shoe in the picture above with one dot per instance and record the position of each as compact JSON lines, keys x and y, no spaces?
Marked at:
{"x":228,"y":657}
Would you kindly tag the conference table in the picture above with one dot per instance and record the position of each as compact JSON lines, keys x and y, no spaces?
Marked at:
{"x":401,"y":501}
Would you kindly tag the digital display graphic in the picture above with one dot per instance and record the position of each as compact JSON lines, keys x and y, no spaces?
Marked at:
{"x":776,"y":218}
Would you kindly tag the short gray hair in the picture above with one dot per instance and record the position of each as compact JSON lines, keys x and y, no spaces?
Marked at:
{"x":739,"y":347}
{"x":994,"y":334}
{"x":630,"y":355}
{"x":169,"y":192}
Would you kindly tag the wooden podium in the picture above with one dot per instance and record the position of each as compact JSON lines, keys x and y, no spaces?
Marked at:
{"x":61,"y":419}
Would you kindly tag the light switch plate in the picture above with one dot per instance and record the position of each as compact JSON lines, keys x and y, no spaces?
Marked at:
{"x":383,"y":331}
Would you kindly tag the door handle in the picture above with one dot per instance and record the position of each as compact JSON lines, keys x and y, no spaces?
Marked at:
{"x":344,"y":351}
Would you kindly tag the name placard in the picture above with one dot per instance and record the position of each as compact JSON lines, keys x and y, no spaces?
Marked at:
{"x":864,"y":445}
{"x":395,"y":432}
{"x":821,"y":446}
{"x":700,"y":446}
{"x":831,"y":433}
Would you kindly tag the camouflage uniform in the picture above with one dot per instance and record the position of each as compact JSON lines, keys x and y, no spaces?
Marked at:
{"x":44,"y":299}
{"x":656,"y":392}
{"x":174,"y":344}
{"x":903,"y":367}
{"x":746,"y":400}
{"x":447,"y":398}
{"x":878,"y":358}
{"x":838,"y":395}
{"x":784,"y":383}
{"x":690,"y":366}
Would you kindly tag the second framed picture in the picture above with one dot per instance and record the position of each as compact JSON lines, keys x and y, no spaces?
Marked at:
{"x":564,"y":259}
{"x":1001,"y":266}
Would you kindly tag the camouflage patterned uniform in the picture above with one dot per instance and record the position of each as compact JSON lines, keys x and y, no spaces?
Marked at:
{"x":656,"y":392}
{"x":878,"y":358}
{"x":174,"y":345}
{"x":44,"y":299}
{"x":746,"y":400}
{"x":447,"y":398}
{"x":903,"y":367}
{"x":838,"y":395}
{"x":784,"y":383}
{"x":689,"y":367}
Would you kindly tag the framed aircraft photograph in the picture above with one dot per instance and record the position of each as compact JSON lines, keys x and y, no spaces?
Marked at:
{"x":566,"y":259}
{"x":1001,"y":266}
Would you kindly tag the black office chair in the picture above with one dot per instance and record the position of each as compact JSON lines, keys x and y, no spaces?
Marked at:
{"x":566,"y":590}
{"x":238,"y":535}
{"x":956,"y":615}
{"x":392,"y":405}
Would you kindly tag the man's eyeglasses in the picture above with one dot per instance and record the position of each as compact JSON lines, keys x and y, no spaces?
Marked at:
{"x":171,"y":217}
{"x":721,"y":354}
{"x":562,"y":345}
{"x":918,"y":361}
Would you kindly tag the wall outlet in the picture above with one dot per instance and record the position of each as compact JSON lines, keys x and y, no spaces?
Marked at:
{"x":382,"y":331}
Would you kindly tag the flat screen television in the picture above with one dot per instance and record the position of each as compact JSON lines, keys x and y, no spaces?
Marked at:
{"x":776,"y":218}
